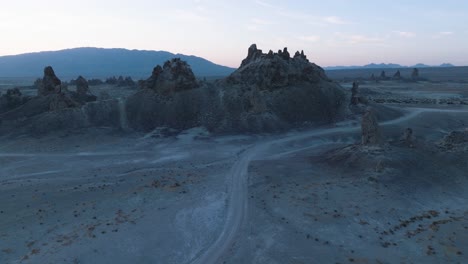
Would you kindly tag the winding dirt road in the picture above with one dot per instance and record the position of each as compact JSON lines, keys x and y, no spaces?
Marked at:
{"x":238,"y":194}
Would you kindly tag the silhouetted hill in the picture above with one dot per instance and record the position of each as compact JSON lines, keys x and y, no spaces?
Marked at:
{"x":99,"y":62}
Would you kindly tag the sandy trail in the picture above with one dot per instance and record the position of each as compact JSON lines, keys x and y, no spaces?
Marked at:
{"x":238,"y":194}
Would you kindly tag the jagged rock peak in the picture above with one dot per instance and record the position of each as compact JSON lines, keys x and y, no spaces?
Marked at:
{"x":51,"y":84}
{"x":275,"y":70}
{"x":175,"y":75}
{"x":254,"y":54}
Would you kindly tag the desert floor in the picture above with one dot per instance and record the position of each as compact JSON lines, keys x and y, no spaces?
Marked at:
{"x":312,"y":196}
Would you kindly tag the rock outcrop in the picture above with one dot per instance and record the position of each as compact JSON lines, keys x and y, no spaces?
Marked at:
{"x":455,"y":141}
{"x":51,"y":84}
{"x":354,"y":94}
{"x":275,"y":70}
{"x":370,"y":129}
{"x":11,"y":99}
{"x":82,"y":94}
{"x":174,"y":76}
{"x":269,"y":92}
{"x":82,"y":87}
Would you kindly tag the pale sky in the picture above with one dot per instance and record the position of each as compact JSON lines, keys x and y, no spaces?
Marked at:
{"x":331,"y":32}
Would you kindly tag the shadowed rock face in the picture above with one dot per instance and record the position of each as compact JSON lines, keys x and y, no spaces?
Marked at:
{"x":276,"y":70}
{"x":175,"y":76}
{"x":370,"y":129}
{"x":51,"y":84}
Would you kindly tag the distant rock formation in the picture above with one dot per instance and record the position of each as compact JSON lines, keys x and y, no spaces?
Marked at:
{"x":370,"y":129}
{"x":383,"y":75}
{"x":397,"y":75}
{"x":275,"y":70}
{"x":82,"y":86}
{"x":12,"y":99}
{"x":83,"y":94}
{"x":50,"y":83}
{"x":175,"y":75}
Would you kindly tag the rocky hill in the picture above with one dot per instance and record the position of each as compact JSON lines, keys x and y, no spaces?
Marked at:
{"x":269,"y":92}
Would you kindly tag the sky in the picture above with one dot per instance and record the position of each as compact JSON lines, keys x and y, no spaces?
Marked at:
{"x":331,"y":32}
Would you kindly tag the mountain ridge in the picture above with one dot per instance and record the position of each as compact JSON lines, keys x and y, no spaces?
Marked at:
{"x":387,"y":66}
{"x":93,"y":62}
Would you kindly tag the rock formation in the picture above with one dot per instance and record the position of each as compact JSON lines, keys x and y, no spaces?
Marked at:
{"x":50,"y":83}
{"x":83,"y":94}
{"x":370,"y":129}
{"x":175,"y":75}
{"x":275,"y":70}
{"x":397,"y":75}
{"x":253,"y":54}
{"x":455,"y":141}
{"x":82,"y":87}
{"x":269,"y":92}
{"x":383,"y":75}
{"x":12,"y":99}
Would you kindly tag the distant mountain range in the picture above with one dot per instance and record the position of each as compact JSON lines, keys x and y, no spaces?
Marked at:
{"x":100,"y":63}
{"x":386,"y":66}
